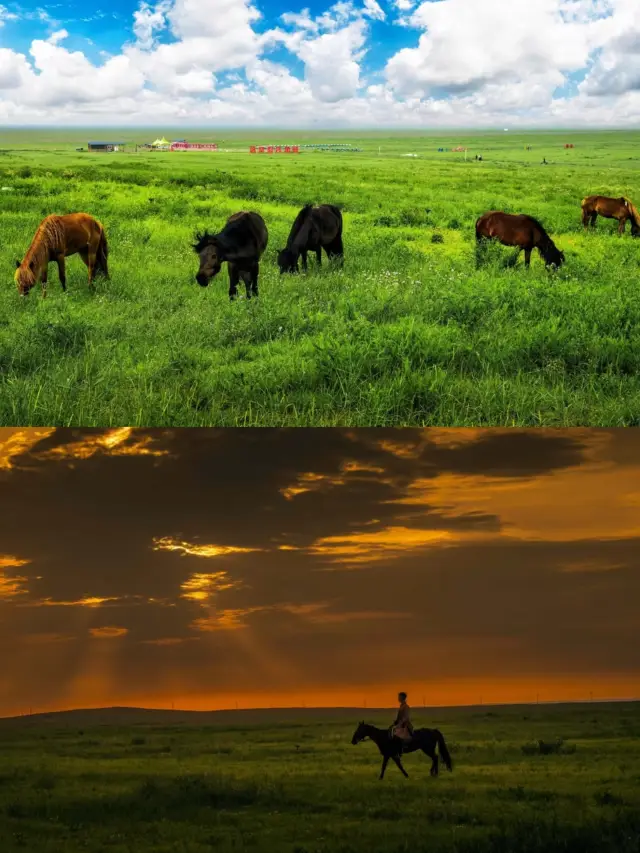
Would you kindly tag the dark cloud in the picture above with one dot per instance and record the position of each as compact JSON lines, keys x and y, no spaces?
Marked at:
{"x":117,"y":595}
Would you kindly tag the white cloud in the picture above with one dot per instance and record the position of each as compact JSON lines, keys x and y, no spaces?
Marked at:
{"x":373,"y":10}
{"x":469,"y":63}
{"x":58,"y":36}
{"x":466,"y":46}
{"x":6,"y":15}
{"x":148,"y":21}
{"x":332,"y":62}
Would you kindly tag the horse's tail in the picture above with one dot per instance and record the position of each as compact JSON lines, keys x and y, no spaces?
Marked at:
{"x":442,"y":748}
{"x":103,"y":254}
{"x":338,"y":213}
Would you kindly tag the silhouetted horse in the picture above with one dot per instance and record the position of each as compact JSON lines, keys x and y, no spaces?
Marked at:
{"x":610,"y":208}
{"x":521,"y":231}
{"x":58,"y":237}
{"x":392,"y":747}
{"x":241,"y":243}
{"x":314,"y":229}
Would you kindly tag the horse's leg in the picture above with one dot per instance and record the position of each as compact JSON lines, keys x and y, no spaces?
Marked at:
{"x":481,"y":249}
{"x":319,"y":255}
{"x":527,"y":257}
{"x":622,"y":224}
{"x":514,"y":258}
{"x":385,"y":761}
{"x":234,"y":278}
{"x":92,"y":255}
{"x":336,"y":250}
{"x":254,"y":275}
{"x":396,"y":758}
{"x":247,"y":278}
{"x":594,"y":219}
{"x":62,"y":274}
{"x":84,"y":255}
{"x":303,"y":255}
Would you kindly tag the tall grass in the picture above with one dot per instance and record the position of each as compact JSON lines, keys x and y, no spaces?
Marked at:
{"x":409,"y":332}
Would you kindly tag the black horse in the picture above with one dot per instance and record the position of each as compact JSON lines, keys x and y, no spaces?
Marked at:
{"x":314,"y":229}
{"x":241,"y":243}
{"x":393,"y":747}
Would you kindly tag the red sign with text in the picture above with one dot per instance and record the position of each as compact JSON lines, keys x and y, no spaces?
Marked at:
{"x":194,"y":146}
{"x":274,"y":149}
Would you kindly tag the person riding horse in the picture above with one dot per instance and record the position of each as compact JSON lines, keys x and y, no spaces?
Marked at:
{"x":402,"y":728}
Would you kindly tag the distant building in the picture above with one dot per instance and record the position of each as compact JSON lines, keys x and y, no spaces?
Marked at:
{"x":105,"y":146}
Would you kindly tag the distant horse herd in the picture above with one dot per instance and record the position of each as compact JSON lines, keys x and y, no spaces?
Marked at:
{"x":244,"y":238}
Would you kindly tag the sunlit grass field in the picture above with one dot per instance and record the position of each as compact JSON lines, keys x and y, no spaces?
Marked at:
{"x":300,"y":787}
{"x":409,"y":332}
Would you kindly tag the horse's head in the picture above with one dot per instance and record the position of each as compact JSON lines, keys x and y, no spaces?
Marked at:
{"x":25,"y":277}
{"x":360,"y":733}
{"x":287,"y":261}
{"x":553,"y":256}
{"x":208,"y":248}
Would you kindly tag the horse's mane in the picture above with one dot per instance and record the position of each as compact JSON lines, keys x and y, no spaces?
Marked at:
{"x":298,"y":223}
{"x":539,"y":224}
{"x":50,"y":235}
{"x":203,"y":239}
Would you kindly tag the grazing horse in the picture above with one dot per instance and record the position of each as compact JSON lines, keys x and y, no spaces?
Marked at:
{"x":611,"y":208}
{"x":521,"y":231}
{"x":392,"y":747}
{"x":314,"y":229}
{"x":58,"y":237}
{"x":241,"y":244}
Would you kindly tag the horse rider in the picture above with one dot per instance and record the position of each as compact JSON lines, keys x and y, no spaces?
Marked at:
{"x":402,"y":727}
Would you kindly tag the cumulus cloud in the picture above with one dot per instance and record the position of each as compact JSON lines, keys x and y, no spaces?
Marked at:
{"x":148,"y":21}
{"x":464,"y":63}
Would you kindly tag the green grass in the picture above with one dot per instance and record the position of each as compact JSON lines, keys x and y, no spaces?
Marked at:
{"x":300,"y":787}
{"x":409,"y":332}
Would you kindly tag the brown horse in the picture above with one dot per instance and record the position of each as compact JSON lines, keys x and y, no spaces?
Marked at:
{"x":241,"y":243}
{"x":58,"y":237}
{"x":521,"y":231}
{"x":611,"y":208}
{"x":314,"y":229}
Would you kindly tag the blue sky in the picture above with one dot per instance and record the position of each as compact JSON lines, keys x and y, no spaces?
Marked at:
{"x":345,"y":63}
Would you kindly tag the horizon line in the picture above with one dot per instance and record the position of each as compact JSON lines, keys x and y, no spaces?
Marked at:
{"x":373,"y":708}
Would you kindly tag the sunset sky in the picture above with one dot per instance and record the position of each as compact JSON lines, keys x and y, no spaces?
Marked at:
{"x":205,"y":568}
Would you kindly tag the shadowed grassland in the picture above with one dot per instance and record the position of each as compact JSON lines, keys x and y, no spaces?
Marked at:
{"x":300,"y":787}
{"x":409,"y":332}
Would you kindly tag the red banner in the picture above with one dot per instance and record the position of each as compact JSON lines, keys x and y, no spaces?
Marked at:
{"x":194,"y":146}
{"x":274,"y":149}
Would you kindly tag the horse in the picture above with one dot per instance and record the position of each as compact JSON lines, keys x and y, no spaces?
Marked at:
{"x":521,"y":231}
{"x":314,"y":229}
{"x":610,"y":208}
{"x":241,"y":243}
{"x":57,"y":238}
{"x":393,"y":747}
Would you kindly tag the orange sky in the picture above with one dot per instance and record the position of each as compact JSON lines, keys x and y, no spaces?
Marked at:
{"x":205,"y":568}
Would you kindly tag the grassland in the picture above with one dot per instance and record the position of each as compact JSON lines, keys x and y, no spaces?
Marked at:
{"x":409,"y":332}
{"x":246,"y":782}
